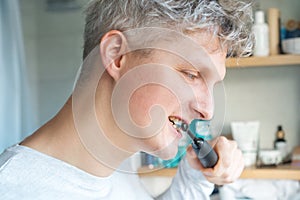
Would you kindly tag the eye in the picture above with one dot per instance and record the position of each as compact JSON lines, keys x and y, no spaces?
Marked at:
{"x":191,"y":75}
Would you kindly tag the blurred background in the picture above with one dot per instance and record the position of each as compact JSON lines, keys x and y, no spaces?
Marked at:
{"x":41,"y":50}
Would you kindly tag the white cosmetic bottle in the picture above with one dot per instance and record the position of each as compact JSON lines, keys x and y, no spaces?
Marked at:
{"x":261,"y":33}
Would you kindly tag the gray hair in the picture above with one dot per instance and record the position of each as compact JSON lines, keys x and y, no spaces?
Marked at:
{"x":231,"y":19}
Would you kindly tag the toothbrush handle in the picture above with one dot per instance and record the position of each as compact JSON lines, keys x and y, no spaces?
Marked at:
{"x":205,"y":153}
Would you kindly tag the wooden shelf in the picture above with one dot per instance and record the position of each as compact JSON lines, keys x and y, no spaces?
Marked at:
{"x":277,"y":60}
{"x":280,"y":172}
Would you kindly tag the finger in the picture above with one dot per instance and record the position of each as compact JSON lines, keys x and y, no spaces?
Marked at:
{"x":193,"y":159}
{"x":230,"y":164}
{"x":225,"y":149}
{"x":231,"y":173}
{"x":226,"y":166}
{"x":240,"y":166}
{"x":235,"y":170}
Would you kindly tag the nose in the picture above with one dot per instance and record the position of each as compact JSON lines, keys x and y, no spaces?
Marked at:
{"x":202,"y":104}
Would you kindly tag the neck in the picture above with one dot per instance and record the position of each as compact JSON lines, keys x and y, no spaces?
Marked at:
{"x":97,"y":154}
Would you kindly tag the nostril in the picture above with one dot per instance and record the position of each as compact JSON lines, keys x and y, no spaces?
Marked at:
{"x":202,"y":110}
{"x":202,"y":116}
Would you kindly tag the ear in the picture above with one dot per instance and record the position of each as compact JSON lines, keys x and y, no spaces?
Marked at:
{"x":112,"y":48}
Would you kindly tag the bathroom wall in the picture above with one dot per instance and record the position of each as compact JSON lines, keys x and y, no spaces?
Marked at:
{"x":53,"y":41}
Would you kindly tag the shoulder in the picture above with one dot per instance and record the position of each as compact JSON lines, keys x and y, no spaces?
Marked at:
{"x":19,"y":164}
{"x":8,"y":155}
{"x":11,"y":173}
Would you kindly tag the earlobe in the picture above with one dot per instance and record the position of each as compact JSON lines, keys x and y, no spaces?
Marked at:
{"x":112,"y":47}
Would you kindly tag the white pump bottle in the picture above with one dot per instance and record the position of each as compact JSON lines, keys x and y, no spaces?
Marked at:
{"x":261,"y":33}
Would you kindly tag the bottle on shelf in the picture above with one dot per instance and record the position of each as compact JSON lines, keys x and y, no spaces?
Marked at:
{"x":274,"y":30}
{"x":280,"y":142}
{"x":261,"y":34}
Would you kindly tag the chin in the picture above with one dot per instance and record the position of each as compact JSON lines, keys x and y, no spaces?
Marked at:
{"x":167,"y":152}
{"x":164,"y":145}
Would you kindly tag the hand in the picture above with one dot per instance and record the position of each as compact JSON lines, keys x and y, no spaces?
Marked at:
{"x":229,"y":166}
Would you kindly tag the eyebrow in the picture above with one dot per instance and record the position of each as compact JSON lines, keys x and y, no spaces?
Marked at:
{"x":202,"y":67}
{"x":199,"y":66}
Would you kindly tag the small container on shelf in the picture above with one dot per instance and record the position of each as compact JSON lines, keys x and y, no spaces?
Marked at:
{"x":269,"y":157}
{"x":261,"y":34}
{"x":280,"y":143}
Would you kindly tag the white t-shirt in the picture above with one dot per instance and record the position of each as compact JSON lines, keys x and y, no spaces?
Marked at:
{"x":28,"y":174}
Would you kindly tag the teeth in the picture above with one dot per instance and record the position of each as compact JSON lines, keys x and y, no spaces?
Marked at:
{"x":176,"y":122}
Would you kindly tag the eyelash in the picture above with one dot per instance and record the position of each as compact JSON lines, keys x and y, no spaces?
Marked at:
{"x":191,"y":76}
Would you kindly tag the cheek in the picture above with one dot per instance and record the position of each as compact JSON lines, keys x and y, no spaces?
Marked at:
{"x":146,"y":97}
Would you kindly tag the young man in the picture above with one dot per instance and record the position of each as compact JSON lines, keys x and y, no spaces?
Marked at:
{"x":145,"y":62}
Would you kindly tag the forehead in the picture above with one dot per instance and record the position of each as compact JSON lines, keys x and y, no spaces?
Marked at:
{"x":199,"y":50}
{"x":208,"y":39}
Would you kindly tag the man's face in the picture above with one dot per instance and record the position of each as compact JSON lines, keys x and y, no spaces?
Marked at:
{"x":194,"y":102}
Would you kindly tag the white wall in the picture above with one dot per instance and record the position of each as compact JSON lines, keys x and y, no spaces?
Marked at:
{"x":59,"y":45}
{"x":53,"y":43}
{"x":29,"y":23}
